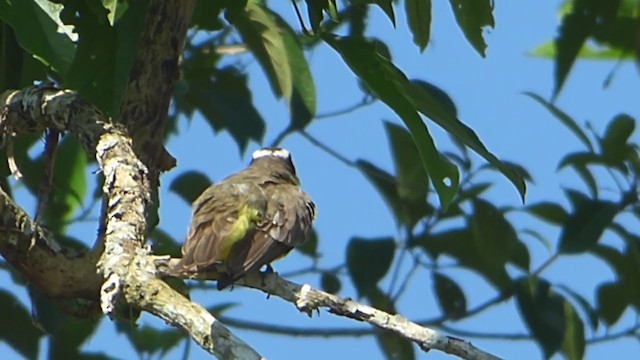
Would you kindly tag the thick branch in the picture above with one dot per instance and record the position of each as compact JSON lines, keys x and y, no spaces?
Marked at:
{"x":125,"y":264}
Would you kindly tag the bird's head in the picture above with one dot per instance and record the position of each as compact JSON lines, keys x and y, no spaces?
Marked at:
{"x":277,"y":161}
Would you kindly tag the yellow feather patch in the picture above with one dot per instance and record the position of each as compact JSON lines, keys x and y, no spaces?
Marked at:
{"x":247,"y":217}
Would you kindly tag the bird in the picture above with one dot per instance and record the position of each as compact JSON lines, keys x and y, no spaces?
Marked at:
{"x":248,"y":220}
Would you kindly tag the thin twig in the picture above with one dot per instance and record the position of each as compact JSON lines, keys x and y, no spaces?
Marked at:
{"x":366,"y":101}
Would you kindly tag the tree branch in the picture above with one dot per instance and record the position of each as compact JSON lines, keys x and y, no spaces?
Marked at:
{"x":125,"y":264}
{"x":308,"y":300}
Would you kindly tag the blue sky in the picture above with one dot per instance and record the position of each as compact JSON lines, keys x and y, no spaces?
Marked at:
{"x":488,"y":94}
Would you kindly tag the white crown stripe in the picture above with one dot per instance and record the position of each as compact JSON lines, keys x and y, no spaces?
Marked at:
{"x":281,"y":153}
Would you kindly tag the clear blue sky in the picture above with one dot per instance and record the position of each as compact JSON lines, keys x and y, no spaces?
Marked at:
{"x":488,"y":95}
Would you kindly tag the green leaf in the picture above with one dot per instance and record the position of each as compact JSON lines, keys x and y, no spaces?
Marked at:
{"x":412,"y":181}
{"x":225,"y":101}
{"x":591,"y":52}
{"x":261,"y":34}
{"x":406,"y":212}
{"x":472,"y":17}
{"x":492,"y":233}
{"x":577,"y":26}
{"x":303,"y":96}
{"x":536,"y":235}
{"x":548,"y":211}
{"x":459,"y":243}
{"x":310,"y":247}
{"x":69,"y":336}
{"x":520,"y":256}
{"x":614,"y":145}
{"x":385,"y":5}
{"x":18,"y":68}
{"x":190,"y":184}
{"x":543,"y":311}
{"x":16,"y":327}
{"x":163,"y":243}
{"x":565,"y":119}
{"x":69,"y":185}
{"x":613,"y":299}
{"x":394,"y":346}
{"x":584,"y":227}
{"x":368,"y":261}
{"x":442,"y":113}
{"x":206,"y":15}
{"x":148,"y":341}
{"x":391,"y":86}
{"x":105,"y":54}
{"x":450,"y":296}
{"x":588,"y":310}
{"x":573,"y":345}
{"x":330,"y":283}
{"x":418,"y":13}
{"x":36,"y":30}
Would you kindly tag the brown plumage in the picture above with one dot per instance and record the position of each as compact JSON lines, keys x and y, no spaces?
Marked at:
{"x":248,"y":220}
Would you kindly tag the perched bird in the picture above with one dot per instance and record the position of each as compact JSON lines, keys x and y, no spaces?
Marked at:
{"x":248,"y":220}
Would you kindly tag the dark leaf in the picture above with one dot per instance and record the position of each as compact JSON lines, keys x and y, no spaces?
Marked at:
{"x":543,"y":312}
{"x":225,"y":101}
{"x":584,"y":227}
{"x":368,"y":261}
{"x":385,"y":5}
{"x":614,"y":145}
{"x":71,"y":333}
{"x":520,"y":256}
{"x":577,"y":26}
{"x":330,"y":283}
{"x":147,"y":340}
{"x":163,"y":243}
{"x":418,"y":13}
{"x":391,"y":86}
{"x":206,"y":15}
{"x":393,"y":346}
{"x":613,"y":299}
{"x":219,"y":309}
{"x":16,"y":328}
{"x":434,"y":105}
{"x":190,"y":184}
{"x":588,"y":310}
{"x":105,"y":54}
{"x":548,"y":211}
{"x":472,"y":17}
{"x":407,"y":212}
{"x":493,"y":234}
{"x":450,"y":296}
{"x":459,"y":244}
{"x":310,"y":247}
{"x":565,"y":119}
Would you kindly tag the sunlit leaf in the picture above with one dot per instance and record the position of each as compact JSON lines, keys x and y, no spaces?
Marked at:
{"x":588,"y":310}
{"x":303,"y":96}
{"x":573,"y":344}
{"x":35,"y":28}
{"x":260,"y":32}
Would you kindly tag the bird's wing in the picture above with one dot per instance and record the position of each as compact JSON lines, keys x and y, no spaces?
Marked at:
{"x":290,"y":213}
{"x":224,"y":214}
